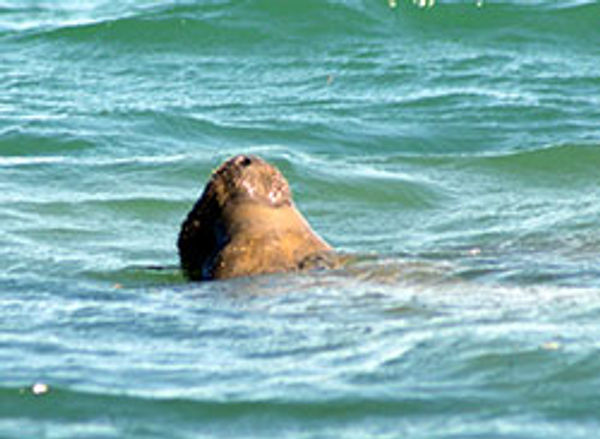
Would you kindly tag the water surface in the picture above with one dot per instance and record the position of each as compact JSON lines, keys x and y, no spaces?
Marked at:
{"x":456,"y":146}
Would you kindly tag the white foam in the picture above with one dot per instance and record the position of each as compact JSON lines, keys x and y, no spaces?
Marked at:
{"x":91,"y":161}
{"x":20,"y":161}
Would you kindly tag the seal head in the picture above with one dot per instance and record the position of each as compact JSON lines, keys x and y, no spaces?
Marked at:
{"x":246,"y":223}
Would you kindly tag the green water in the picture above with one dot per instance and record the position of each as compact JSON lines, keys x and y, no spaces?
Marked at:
{"x":455,"y":148}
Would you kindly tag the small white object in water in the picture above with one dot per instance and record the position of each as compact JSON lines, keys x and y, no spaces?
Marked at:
{"x":393,"y":3}
{"x":40,"y":388}
{"x":474,"y":251}
{"x":551,"y":346}
{"x":424,"y":3}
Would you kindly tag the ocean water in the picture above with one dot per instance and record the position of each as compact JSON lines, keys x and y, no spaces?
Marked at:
{"x":453,"y":145}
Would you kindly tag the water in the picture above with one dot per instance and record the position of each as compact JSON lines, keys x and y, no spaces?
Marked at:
{"x":455,"y":147}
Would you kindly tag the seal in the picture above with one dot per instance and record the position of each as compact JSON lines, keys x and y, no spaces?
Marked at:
{"x":245,"y":223}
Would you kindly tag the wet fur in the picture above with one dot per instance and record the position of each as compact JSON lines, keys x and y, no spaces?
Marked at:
{"x":245,"y":223}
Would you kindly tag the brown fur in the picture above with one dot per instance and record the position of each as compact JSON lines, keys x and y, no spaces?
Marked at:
{"x":245,"y":223}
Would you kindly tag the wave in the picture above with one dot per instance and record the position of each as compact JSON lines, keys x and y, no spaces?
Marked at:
{"x":18,"y":147}
{"x":507,"y":22}
{"x":568,"y":158}
{"x":563,"y":163}
{"x":201,"y":25}
{"x":74,"y":404}
{"x":32,"y":160}
{"x":362,"y":392}
{"x":78,"y":405}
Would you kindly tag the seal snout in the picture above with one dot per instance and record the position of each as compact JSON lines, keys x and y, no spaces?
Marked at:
{"x":250,"y":177}
{"x":243,"y":160}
